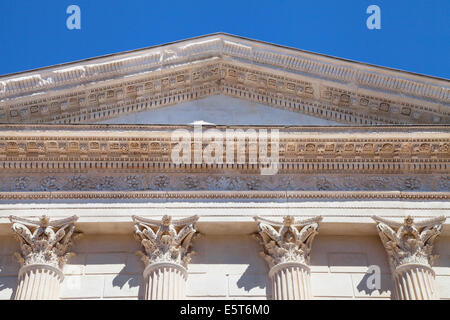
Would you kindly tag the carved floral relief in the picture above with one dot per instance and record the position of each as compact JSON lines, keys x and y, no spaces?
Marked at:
{"x":167,"y":240}
{"x":44,"y":241}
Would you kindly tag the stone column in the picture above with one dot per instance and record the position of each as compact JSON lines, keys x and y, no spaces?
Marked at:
{"x":166,"y":255}
{"x":44,"y":245}
{"x":286,"y":249}
{"x":409,"y":246}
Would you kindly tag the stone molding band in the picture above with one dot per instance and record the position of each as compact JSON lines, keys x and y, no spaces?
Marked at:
{"x":38,"y":282}
{"x":284,"y":265}
{"x":407,"y":266}
{"x":151,"y":267}
{"x":32,"y":267}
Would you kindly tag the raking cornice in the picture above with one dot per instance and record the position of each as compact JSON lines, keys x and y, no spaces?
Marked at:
{"x":340,"y":90}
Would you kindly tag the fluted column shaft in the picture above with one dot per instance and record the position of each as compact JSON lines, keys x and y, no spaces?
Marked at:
{"x":166,"y":255}
{"x":287,"y":246}
{"x":414,"y":282}
{"x":39,"y":282}
{"x":165,"y":281}
{"x":44,"y":250}
{"x":409,"y":245}
{"x":290,"y":281}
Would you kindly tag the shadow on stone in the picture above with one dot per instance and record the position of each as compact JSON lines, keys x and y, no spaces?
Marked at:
{"x":8,"y":284}
{"x":385,"y":285}
{"x":132,"y":280}
{"x":250,"y":280}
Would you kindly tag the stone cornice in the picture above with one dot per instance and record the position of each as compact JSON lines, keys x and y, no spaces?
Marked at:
{"x":218,"y":46}
{"x":105,"y":150}
{"x":335,"y":89}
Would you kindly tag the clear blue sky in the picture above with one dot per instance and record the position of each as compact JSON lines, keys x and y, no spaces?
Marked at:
{"x":415,"y":34}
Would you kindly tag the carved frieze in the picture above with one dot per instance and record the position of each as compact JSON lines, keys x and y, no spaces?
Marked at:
{"x":323,"y":159}
{"x":230,"y":181}
{"x":395,"y":150}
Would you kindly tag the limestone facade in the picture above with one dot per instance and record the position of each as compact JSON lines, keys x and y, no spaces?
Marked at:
{"x":356,"y":209}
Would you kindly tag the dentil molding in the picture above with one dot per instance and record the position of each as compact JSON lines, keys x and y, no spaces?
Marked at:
{"x":335,"y":89}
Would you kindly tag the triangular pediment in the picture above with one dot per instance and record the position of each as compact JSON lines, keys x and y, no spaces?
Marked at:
{"x":220,"y":110}
{"x":139,"y":83}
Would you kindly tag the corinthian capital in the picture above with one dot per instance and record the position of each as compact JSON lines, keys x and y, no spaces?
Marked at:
{"x":44,"y":242}
{"x":166,"y":240}
{"x":409,"y":242}
{"x":287,"y":241}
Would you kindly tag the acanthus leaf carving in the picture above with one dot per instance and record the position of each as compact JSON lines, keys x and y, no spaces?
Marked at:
{"x":409,"y":242}
{"x":167,"y":240}
{"x":44,"y":242}
{"x":288,"y":241}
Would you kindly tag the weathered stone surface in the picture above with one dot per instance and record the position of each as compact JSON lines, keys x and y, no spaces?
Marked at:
{"x":409,"y":246}
{"x":352,"y":141}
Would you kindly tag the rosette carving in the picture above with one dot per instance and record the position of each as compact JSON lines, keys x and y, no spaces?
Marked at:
{"x":167,"y":240}
{"x":287,"y":241}
{"x":44,"y":242}
{"x":409,"y":242}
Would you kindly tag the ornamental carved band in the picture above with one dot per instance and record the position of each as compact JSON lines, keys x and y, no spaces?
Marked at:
{"x":292,"y":243}
{"x":165,"y":241}
{"x":409,"y":242}
{"x":44,"y":242}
